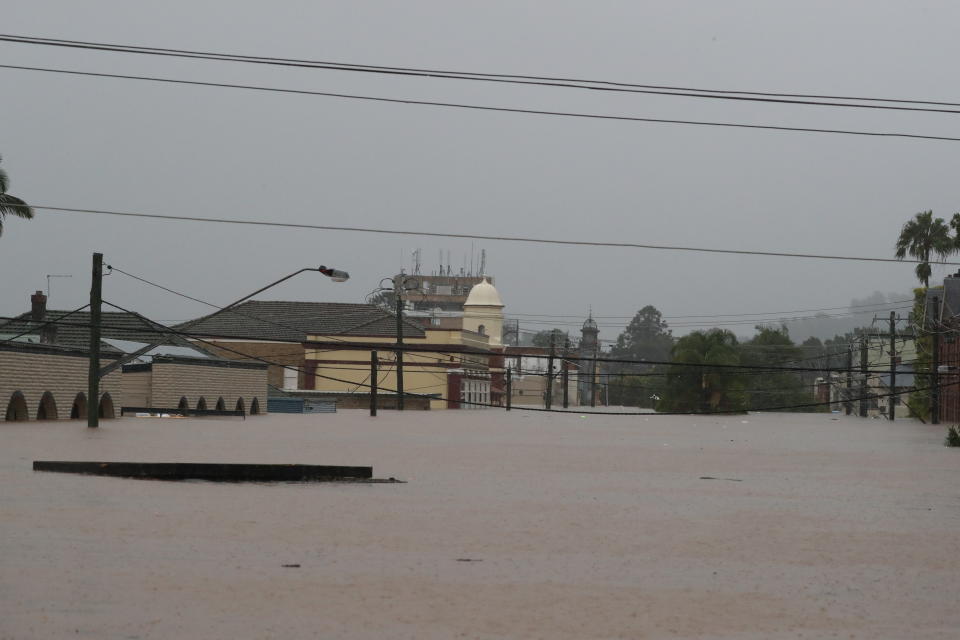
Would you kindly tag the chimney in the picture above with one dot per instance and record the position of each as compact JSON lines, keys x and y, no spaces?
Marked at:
{"x":38,"y":306}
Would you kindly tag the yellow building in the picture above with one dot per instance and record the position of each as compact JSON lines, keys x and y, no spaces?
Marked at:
{"x":443,"y":364}
{"x":458,"y":362}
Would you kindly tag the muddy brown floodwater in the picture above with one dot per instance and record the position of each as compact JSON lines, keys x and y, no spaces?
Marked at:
{"x":511,"y":525}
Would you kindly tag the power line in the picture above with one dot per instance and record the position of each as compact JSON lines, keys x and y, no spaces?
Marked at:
{"x":521,"y":408}
{"x":234,"y":310}
{"x":722,"y":315}
{"x":716,"y":323}
{"x":434,"y":234}
{"x":589,"y":85}
{"x":418,"y":350}
{"x":476,"y":107}
{"x":42,"y":326}
{"x":468,"y":75}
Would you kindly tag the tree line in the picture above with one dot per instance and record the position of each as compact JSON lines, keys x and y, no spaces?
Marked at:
{"x":699,"y":386}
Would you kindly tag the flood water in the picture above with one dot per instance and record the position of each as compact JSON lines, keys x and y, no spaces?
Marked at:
{"x":510,"y":525}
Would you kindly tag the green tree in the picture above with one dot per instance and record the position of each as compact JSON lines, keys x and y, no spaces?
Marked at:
{"x":11,"y":205}
{"x":924,"y":236}
{"x":543,"y":338}
{"x":704,"y":388}
{"x":772,"y":347}
{"x":647,"y":337}
{"x":632,"y":390}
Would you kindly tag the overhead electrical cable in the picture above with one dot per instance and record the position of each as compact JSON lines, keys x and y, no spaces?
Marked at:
{"x":720,"y":315}
{"x":576,"y":83}
{"x":418,"y":350}
{"x":436,"y":234}
{"x":523,"y":408}
{"x":42,"y":326}
{"x":714,"y":323}
{"x":476,"y":107}
{"x":588,"y":85}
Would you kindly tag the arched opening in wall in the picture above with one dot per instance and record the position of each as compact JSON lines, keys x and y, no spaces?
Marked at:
{"x":202,"y":404}
{"x":255,"y":407}
{"x":79,"y":409}
{"x":17,"y":408}
{"x":47,"y":410}
{"x":184,"y":405}
{"x":221,"y":405}
{"x":106,"y":407}
{"x":482,"y":330}
{"x":240,"y":406}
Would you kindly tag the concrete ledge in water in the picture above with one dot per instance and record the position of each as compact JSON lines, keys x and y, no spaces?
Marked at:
{"x":214,"y":472}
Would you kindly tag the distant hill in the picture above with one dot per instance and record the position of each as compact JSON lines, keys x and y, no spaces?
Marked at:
{"x":828,"y":324}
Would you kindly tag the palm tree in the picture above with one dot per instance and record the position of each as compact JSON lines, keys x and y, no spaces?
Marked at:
{"x":11,"y":205}
{"x":922,"y":236}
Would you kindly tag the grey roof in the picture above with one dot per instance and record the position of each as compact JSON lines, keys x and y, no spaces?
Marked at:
{"x":74,"y":331}
{"x":293,"y":321}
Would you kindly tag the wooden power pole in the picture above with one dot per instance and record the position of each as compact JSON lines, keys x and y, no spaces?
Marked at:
{"x":93,"y":376}
{"x":373,"y":383}
{"x":891,"y":414}
{"x":549,"y":395}
{"x":397,"y":290}
{"x":935,"y":366}
{"x":863,"y":376}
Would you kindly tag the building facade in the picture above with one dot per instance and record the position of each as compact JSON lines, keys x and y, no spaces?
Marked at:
{"x":49,"y":382}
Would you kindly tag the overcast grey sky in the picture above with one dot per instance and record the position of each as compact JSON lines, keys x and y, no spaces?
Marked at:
{"x":138,"y":146}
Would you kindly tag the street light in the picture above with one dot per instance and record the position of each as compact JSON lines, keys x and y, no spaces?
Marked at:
{"x":96,"y":372}
{"x":334,"y":274}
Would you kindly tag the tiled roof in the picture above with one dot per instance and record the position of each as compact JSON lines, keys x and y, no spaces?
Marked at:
{"x":74,"y":331}
{"x":293,"y":321}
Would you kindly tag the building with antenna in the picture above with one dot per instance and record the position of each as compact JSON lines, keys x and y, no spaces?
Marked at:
{"x":444,"y":291}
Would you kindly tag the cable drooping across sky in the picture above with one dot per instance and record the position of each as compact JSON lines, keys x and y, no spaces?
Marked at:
{"x":477,"y":107}
{"x":509,"y":78}
{"x":437,"y":234}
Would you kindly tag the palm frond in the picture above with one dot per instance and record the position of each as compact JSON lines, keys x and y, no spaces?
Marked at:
{"x":14,"y":206}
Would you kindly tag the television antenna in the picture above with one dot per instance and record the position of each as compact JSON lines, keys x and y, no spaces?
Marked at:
{"x":55,"y":275}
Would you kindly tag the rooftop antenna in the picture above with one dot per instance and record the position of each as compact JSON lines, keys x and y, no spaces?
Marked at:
{"x":416,"y":262}
{"x":54,"y":275}
{"x":483,"y":263}
{"x":448,"y":262}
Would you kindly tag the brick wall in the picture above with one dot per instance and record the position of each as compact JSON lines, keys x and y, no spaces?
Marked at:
{"x":33,"y":371}
{"x":136,"y":388}
{"x":171,"y":381}
{"x":282,"y":353}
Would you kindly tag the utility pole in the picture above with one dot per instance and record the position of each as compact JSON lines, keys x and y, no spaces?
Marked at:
{"x":397,"y":290}
{"x":565,"y":375}
{"x":593,"y":378}
{"x":509,"y":387}
{"x":863,"y":376}
{"x":373,"y":384}
{"x":93,"y":376}
{"x":848,"y":405}
{"x":935,"y":367}
{"x":893,"y":366}
{"x":549,"y":396}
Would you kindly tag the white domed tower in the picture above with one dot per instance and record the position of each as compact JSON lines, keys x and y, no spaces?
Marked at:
{"x":483,"y":312}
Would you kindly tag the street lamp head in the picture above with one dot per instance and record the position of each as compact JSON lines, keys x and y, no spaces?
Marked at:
{"x":334,"y":274}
